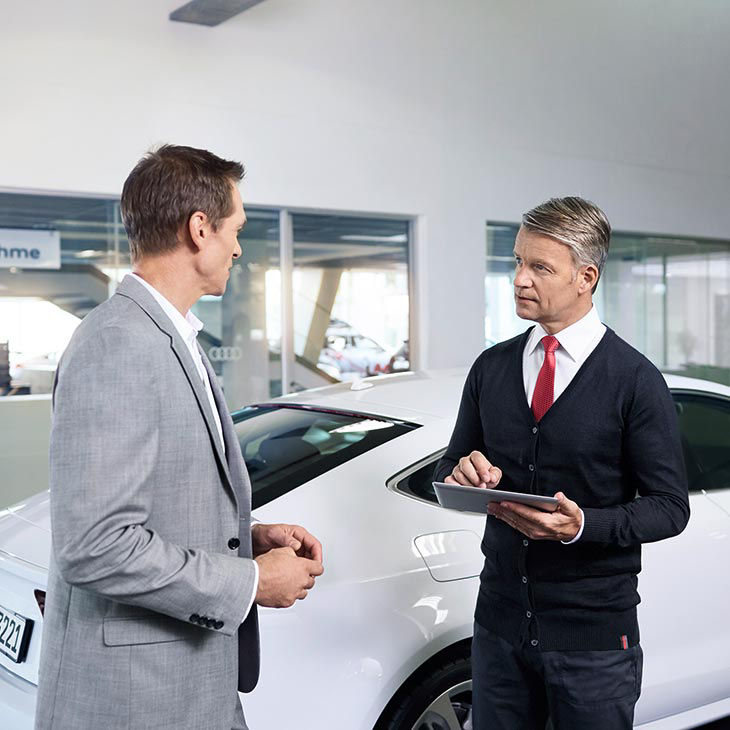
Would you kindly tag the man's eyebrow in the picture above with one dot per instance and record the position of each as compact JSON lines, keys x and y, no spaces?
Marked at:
{"x":535,"y":262}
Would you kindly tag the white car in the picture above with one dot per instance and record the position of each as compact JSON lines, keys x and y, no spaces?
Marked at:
{"x":383,"y":639}
{"x":348,"y":355}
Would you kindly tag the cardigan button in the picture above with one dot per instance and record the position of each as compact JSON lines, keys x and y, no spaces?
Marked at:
{"x":534,"y":429}
{"x":534,"y":642}
{"x":531,"y":467}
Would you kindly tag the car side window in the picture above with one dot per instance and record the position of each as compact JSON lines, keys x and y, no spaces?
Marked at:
{"x":704,"y":423}
{"x":417,"y":480}
{"x":285,"y":446}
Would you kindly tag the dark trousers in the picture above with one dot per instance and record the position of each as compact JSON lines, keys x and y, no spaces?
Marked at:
{"x":521,"y":688}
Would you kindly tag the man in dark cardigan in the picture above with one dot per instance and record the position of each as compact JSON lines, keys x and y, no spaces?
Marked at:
{"x":571,"y":410}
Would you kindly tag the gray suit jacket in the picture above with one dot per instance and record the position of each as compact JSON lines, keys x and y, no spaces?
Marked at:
{"x":145,"y":594}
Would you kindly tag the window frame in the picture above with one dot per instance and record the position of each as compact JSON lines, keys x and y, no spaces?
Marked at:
{"x":393,"y":482}
{"x":414,"y":224}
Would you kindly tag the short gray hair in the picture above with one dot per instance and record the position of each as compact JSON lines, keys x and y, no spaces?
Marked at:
{"x":581,"y":225}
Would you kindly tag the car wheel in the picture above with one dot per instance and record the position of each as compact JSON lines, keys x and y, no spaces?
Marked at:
{"x":438,"y":700}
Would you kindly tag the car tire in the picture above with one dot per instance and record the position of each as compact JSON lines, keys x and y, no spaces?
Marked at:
{"x":438,"y":697}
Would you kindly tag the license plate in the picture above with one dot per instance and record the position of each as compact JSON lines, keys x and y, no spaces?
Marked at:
{"x":15,"y":633}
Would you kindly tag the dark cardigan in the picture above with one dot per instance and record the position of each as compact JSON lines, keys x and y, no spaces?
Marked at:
{"x":612,"y":435}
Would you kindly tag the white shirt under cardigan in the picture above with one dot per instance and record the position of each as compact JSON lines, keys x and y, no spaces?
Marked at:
{"x":577,"y":342}
{"x":188,"y":328}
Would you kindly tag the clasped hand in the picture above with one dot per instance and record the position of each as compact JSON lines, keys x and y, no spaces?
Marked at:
{"x":475,"y":470}
{"x":289,"y":560}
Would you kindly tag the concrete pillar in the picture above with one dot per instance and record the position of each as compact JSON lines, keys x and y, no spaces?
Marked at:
{"x":329,"y":284}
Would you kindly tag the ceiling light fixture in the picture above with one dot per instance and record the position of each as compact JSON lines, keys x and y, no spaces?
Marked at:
{"x":211,"y":12}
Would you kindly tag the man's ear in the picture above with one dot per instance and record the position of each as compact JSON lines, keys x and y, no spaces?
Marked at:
{"x":588,"y":277}
{"x":198,"y":229}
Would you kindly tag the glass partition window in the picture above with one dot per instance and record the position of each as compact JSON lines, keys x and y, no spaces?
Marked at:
{"x":669,"y":297}
{"x":41,"y":307}
{"x":350,"y":295}
{"x":242,"y":333}
{"x":350,"y":285}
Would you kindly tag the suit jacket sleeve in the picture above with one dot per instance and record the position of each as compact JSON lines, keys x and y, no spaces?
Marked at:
{"x":104,"y":446}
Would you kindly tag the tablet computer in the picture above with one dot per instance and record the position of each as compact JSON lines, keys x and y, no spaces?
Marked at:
{"x":476,"y":499}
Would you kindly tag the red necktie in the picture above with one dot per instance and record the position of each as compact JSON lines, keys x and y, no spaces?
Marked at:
{"x":543,"y":396}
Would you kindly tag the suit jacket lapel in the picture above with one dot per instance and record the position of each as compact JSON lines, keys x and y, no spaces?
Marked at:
{"x":239,"y":475}
{"x":136,"y":292}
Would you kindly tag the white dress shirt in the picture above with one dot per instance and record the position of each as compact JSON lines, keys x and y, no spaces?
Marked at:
{"x":577,"y":342}
{"x":188,"y":328}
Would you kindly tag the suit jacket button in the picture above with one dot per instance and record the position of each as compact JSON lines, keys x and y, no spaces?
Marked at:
{"x":210,"y":623}
{"x":195,"y":618}
{"x":202,"y":620}
{"x":234,"y":543}
{"x":218,"y":625}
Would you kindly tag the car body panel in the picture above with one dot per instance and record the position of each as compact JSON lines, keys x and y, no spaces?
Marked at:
{"x":25,"y":540}
{"x":19,"y":579}
{"x":384,"y":606}
{"x":451,"y":554}
{"x":682,"y":634}
{"x":17,"y":701}
{"x":34,"y":509}
{"x":382,"y":582}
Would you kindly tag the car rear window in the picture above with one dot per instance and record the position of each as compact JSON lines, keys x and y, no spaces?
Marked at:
{"x":286,"y":446}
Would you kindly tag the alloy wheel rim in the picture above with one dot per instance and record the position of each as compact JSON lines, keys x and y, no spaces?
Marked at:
{"x":451,"y":710}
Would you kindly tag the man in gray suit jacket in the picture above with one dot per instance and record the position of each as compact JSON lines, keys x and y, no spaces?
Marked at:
{"x":150,"y":619}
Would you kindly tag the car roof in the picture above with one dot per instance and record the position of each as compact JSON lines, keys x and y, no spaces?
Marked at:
{"x":425,"y":395}
{"x":421,"y":396}
{"x":680,"y":382}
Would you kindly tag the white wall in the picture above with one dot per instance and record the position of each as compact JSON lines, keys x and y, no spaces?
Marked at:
{"x":453,"y":110}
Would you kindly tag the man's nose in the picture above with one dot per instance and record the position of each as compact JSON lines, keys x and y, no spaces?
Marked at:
{"x":522,"y":280}
{"x":237,"y":251}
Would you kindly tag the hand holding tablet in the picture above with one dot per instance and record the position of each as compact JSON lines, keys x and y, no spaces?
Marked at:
{"x":476,"y":499}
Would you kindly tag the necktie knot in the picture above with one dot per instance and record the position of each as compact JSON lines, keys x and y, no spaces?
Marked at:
{"x":550,"y":343}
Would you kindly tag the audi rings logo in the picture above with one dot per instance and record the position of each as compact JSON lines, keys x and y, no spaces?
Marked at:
{"x":225,"y":354}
